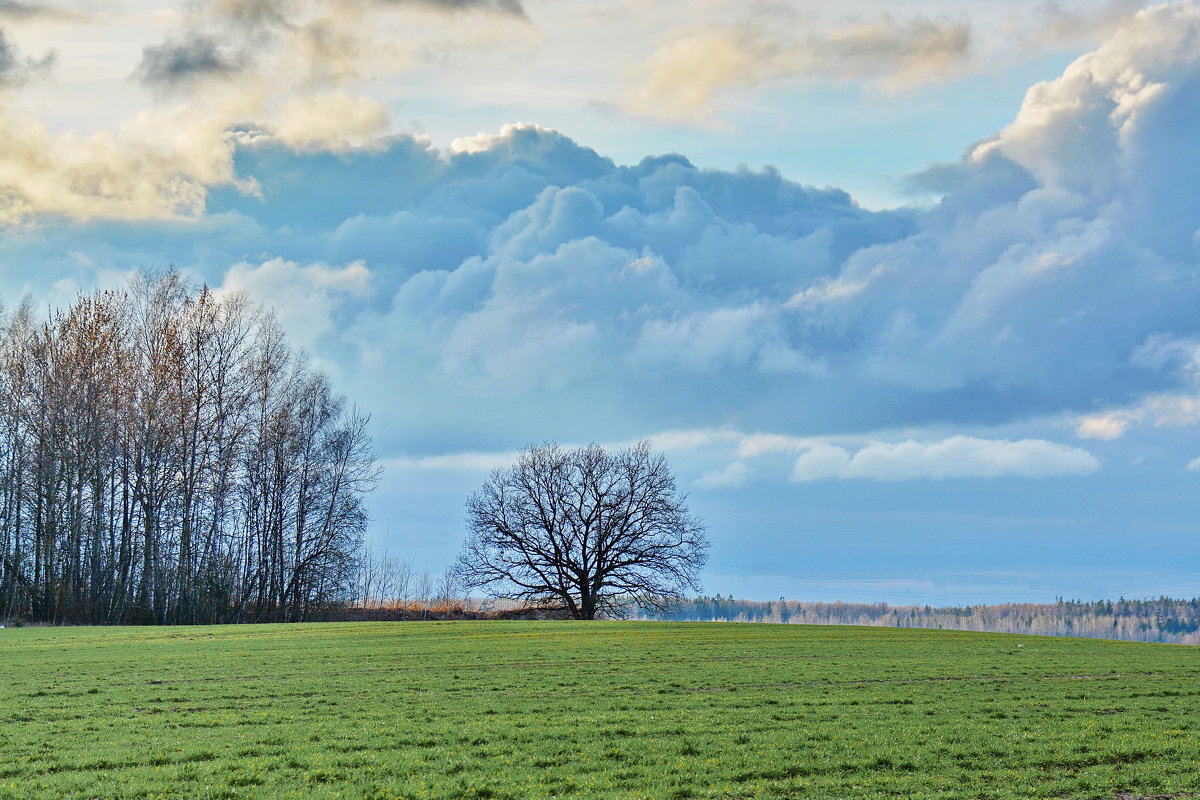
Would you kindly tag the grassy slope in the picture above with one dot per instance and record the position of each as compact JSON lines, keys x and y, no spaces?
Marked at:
{"x":494,"y":709}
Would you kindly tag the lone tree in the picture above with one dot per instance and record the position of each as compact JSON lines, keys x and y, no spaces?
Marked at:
{"x":586,"y":530}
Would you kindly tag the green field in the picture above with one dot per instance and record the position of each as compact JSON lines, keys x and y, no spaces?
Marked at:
{"x":543,"y":709}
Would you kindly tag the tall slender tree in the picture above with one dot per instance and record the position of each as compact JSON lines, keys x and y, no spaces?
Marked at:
{"x":165,"y":457}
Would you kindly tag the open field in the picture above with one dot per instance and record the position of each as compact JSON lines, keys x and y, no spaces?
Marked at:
{"x":653,"y":710}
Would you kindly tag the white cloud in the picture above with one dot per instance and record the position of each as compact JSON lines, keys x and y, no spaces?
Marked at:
{"x":1112,"y":425}
{"x":304,"y":297}
{"x":682,"y":77}
{"x":330,"y":121}
{"x":956,"y":457}
{"x":158,"y":165}
{"x":821,"y":461}
{"x":1160,"y":410}
{"x":733,"y":476}
{"x":703,"y":340}
{"x":483,"y":141}
{"x":758,"y":444}
{"x":706,"y":61}
{"x":1194,"y":464}
{"x":684,"y":440}
{"x":456,"y":462}
{"x":827,"y":290}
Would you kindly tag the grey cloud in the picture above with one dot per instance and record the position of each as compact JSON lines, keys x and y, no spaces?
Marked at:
{"x":178,"y":62}
{"x":15,"y":10}
{"x":332,"y":40}
{"x":1058,"y":24}
{"x":15,"y":69}
{"x":255,"y":17}
{"x":901,"y":53}
{"x":505,"y":6}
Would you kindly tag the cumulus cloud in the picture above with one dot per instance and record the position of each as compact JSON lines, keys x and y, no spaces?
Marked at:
{"x":956,"y":457}
{"x":306,"y":298}
{"x":521,"y":281}
{"x":682,"y":77}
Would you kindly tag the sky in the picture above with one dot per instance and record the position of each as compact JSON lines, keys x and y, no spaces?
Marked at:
{"x":907,"y":294}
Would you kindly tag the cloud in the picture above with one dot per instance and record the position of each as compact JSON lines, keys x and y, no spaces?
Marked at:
{"x":759,"y":444}
{"x":682,"y":78}
{"x":900,"y":54}
{"x":748,"y":457}
{"x":513,"y":7}
{"x":1058,"y":24}
{"x":16,"y":11}
{"x":15,"y":69}
{"x":1194,"y":464}
{"x":161,"y":164}
{"x":306,"y":298}
{"x":1106,"y":427}
{"x":181,"y":61}
{"x":234,"y":71}
{"x":520,"y":281}
{"x":686,"y":440}
{"x":1161,"y":410}
{"x":733,"y":476}
{"x":956,"y":457}
{"x":699,"y":66}
{"x":330,"y":122}
{"x":323,"y":43}
{"x":827,"y":290}
{"x":458,"y":462}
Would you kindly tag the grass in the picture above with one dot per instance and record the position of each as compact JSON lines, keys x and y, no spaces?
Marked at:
{"x":630,"y":710}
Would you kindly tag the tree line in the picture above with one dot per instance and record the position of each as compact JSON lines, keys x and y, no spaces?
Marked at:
{"x":1159,"y":620}
{"x":167,"y":458}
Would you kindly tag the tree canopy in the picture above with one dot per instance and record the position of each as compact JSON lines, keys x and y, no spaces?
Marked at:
{"x":585,"y":529}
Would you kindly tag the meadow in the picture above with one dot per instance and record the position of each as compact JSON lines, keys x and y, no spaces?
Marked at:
{"x":555,"y":709}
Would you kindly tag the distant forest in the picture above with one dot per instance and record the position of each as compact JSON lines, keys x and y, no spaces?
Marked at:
{"x":165,"y":457}
{"x":1161,"y":620}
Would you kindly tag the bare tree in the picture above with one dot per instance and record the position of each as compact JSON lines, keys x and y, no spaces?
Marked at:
{"x":585,"y":530}
{"x":166,"y":458}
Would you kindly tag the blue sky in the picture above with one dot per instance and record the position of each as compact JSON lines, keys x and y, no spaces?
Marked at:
{"x":908,"y":295}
